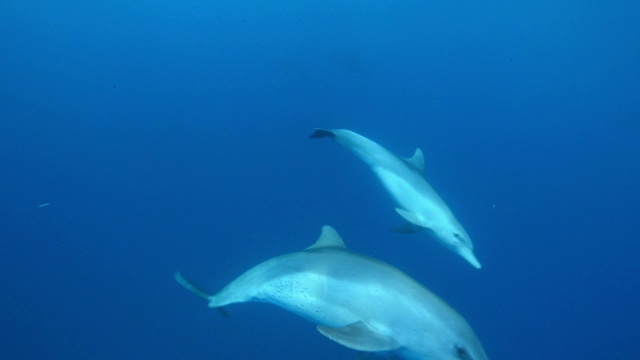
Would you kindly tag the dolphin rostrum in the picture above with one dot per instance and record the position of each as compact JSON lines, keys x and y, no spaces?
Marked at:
{"x":404,"y":179}
{"x":356,"y":301}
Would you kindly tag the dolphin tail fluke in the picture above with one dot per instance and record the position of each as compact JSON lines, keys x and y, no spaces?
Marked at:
{"x":189,"y":286}
{"x":198,"y":291}
{"x":322,"y":133}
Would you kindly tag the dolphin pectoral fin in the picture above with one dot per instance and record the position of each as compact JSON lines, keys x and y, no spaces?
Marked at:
{"x":322,"y":133}
{"x":359,"y":336}
{"x":411,"y":217}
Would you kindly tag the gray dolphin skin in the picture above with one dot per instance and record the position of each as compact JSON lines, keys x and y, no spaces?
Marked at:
{"x":357,"y":301}
{"x":404,"y":179}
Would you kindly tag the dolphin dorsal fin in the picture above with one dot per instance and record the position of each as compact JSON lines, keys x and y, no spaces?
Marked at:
{"x":329,"y":237}
{"x":417,"y":160}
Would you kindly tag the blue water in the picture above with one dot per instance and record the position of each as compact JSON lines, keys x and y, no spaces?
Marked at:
{"x":172,"y":136}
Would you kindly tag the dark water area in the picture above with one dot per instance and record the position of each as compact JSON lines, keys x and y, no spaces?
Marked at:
{"x":138,"y":138}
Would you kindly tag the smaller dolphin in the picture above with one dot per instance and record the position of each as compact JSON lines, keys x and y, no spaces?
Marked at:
{"x":356,"y":301}
{"x":404,"y":179}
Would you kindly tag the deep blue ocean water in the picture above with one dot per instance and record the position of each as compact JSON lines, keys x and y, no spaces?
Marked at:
{"x":138,"y":138}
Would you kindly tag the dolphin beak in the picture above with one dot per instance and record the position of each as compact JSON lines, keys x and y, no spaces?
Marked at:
{"x":467,"y":253}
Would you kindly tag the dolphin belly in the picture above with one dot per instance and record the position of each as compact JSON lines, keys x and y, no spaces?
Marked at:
{"x":311,"y":296}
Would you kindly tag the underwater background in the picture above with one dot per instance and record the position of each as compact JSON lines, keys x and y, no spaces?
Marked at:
{"x":138,"y":138}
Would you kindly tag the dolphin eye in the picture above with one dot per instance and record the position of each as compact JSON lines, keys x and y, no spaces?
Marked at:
{"x":457,"y":236}
{"x":462,"y":353}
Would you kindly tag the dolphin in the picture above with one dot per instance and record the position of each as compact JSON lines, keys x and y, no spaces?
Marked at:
{"x":404,"y":179}
{"x":356,"y":301}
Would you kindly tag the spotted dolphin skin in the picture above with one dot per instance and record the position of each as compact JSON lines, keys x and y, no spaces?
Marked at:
{"x":356,"y":301}
{"x":404,"y":179}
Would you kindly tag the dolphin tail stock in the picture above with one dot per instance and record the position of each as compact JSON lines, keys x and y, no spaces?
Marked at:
{"x":197,"y":290}
{"x":322,"y":133}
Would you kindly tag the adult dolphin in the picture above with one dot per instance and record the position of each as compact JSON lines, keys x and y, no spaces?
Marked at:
{"x":357,"y":301}
{"x":404,"y":179}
